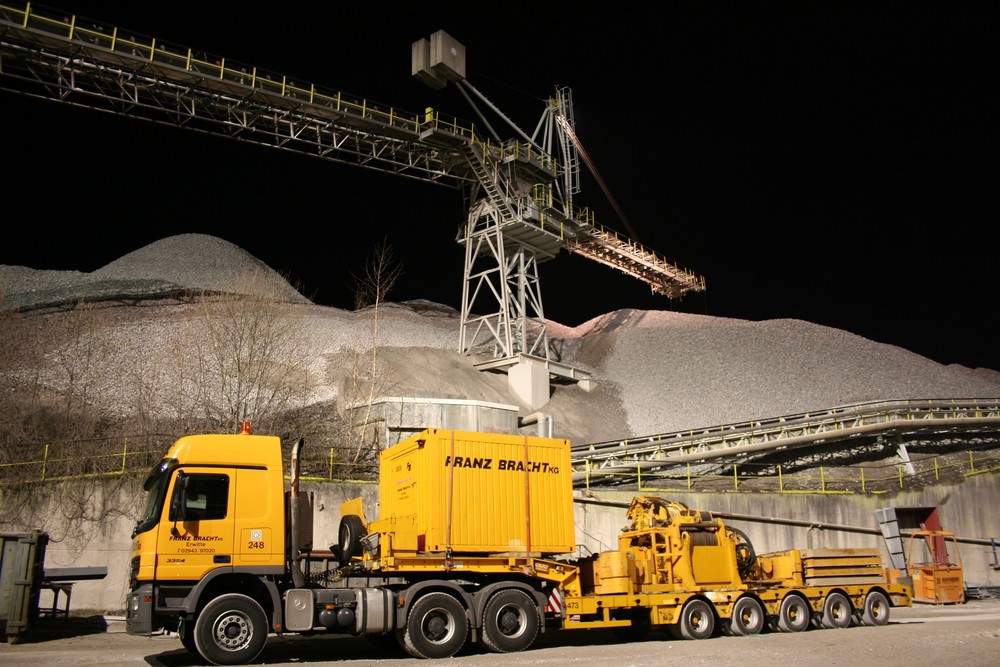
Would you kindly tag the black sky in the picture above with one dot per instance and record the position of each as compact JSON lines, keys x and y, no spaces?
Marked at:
{"x":831,"y":162}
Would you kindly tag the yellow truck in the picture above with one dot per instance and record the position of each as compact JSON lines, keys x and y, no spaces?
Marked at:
{"x":474,"y":542}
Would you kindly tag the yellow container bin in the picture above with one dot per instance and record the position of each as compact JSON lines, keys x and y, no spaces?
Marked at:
{"x":481,"y":493}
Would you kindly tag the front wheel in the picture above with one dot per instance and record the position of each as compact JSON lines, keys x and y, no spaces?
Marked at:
{"x":697,"y":620}
{"x":436,"y":627}
{"x":186,"y":633}
{"x":231,"y":630}
{"x":876,"y":610}
{"x":510,"y":622}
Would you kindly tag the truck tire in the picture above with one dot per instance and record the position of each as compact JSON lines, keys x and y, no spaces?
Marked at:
{"x":697,"y":620}
{"x":510,"y":622}
{"x":436,"y":627}
{"x":837,"y":611}
{"x":876,"y":609}
{"x":794,"y":614}
{"x":351,"y":531}
{"x":186,"y":633}
{"x":748,"y":617}
{"x":231,"y":630}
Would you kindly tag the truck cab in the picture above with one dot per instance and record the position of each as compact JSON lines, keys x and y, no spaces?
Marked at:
{"x":214,"y":520}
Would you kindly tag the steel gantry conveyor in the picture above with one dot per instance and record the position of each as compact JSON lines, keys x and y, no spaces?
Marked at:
{"x":820,"y":435}
{"x":521,"y":211}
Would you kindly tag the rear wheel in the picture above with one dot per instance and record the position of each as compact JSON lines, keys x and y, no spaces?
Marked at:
{"x":794,"y":614}
{"x":436,"y":627}
{"x":697,"y":620}
{"x":837,"y":611}
{"x":510,"y":622}
{"x":748,"y":617}
{"x":231,"y":630}
{"x":876,"y":610}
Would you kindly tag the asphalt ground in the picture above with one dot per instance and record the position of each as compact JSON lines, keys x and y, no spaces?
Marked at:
{"x":965,"y":634}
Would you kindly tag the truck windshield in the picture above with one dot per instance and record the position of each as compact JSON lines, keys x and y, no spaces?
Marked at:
{"x":156,"y":490}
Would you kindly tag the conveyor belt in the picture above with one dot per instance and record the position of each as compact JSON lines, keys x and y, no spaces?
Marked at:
{"x":799,"y":435}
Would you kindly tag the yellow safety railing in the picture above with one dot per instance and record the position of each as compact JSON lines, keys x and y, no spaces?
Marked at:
{"x":57,"y":462}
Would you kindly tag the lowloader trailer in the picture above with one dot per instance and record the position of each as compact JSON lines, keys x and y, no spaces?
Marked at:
{"x":474,"y":541}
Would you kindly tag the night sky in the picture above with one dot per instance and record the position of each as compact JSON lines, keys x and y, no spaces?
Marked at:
{"x":830,"y":162}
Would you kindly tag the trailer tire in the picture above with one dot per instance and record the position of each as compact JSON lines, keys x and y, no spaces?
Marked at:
{"x":510,"y":622}
{"x":747,"y":618}
{"x":231,"y":630}
{"x":837,"y":611}
{"x":794,"y":614}
{"x":352,"y":529}
{"x":876,"y":609}
{"x":697,"y":620}
{"x":436,"y":627}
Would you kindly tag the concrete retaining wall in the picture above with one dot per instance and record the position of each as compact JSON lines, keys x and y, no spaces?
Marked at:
{"x":966,"y":509}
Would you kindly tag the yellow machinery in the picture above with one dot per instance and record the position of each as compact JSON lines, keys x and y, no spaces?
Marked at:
{"x":474,"y":541}
{"x":935,"y":564}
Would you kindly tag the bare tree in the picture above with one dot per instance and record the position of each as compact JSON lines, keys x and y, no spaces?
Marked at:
{"x":379,"y":276}
{"x":77,"y":392}
{"x":53,"y":370}
{"x":247,"y":359}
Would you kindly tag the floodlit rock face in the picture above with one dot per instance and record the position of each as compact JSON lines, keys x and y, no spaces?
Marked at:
{"x":655,"y":371}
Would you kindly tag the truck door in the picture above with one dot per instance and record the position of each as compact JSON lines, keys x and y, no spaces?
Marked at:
{"x":196,"y":535}
{"x":259,"y":518}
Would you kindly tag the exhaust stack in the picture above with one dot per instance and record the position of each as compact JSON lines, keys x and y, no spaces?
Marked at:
{"x":294,"y":519}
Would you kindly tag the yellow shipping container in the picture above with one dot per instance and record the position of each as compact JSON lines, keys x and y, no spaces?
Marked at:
{"x":481,"y":492}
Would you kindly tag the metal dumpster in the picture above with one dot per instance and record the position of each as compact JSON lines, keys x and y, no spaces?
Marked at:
{"x":22,"y":556}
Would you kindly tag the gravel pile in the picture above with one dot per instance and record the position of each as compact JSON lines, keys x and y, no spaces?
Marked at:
{"x":171,"y":266}
{"x":656,"y":371}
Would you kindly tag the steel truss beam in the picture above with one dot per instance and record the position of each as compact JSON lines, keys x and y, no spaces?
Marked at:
{"x":521,"y":210}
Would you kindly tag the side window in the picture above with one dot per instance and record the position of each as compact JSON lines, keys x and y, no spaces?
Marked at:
{"x":201,"y":497}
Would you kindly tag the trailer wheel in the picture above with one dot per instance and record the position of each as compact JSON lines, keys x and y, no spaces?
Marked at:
{"x":231,"y":630}
{"x":876,"y":610}
{"x":837,"y":611}
{"x":747,"y":619}
{"x":351,"y":532}
{"x":794,"y":614}
{"x":436,"y":627}
{"x":697,"y":620}
{"x":510,"y":622}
